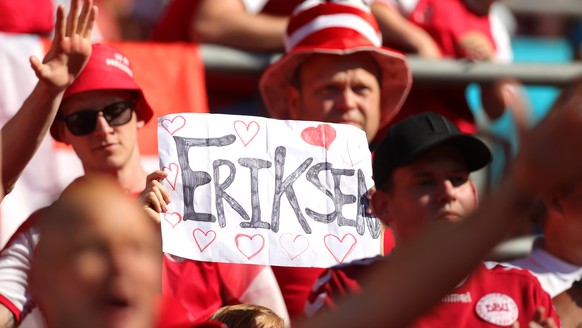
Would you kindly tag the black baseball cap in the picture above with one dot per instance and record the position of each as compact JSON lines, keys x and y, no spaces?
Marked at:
{"x":412,"y":137}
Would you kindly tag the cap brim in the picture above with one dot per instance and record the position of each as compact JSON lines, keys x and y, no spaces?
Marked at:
{"x":476,"y":154}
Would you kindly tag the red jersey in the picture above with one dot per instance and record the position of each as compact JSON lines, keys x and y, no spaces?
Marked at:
{"x":492,"y":295}
{"x":201,"y":288}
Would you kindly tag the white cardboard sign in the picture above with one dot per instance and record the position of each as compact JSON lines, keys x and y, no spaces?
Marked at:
{"x":262,"y":191}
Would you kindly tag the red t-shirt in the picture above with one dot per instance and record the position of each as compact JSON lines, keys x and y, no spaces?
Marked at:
{"x":446,"y":21}
{"x":492,"y":296}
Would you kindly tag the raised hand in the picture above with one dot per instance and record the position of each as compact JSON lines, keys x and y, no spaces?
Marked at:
{"x":71,"y":47}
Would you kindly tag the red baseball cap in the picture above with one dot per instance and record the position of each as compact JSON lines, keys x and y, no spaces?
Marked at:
{"x":107,"y":69}
{"x":339,"y":27}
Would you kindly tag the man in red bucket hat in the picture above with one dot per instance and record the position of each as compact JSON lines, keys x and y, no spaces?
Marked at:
{"x":334,"y":70}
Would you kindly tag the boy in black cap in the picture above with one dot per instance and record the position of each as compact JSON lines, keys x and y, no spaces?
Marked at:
{"x":422,"y":174}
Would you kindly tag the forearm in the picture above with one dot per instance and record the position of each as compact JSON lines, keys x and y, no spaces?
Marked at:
{"x":23,"y":133}
{"x":420,"y":273}
{"x":228,"y":23}
{"x":399,"y":33}
{"x":6,"y":318}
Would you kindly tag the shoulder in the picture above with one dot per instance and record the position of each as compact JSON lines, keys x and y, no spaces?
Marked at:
{"x":506,"y":269}
{"x":27,"y":232}
{"x":336,"y":282}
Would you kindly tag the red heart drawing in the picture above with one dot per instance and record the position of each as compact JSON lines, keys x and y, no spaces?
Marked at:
{"x":203,"y":239}
{"x":340,"y":248}
{"x":173,"y":218}
{"x":248,"y":245}
{"x":246,"y":132}
{"x":172,"y":170}
{"x":357,"y":150}
{"x":293,"y":246}
{"x":322,"y":135}
{"x":173,"y":125}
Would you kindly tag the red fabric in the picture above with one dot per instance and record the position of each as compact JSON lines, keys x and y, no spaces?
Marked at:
{"x":28,"y":17}
{"x":196,"y":286}
{"x":307,"y":16}
{"x":11,"y":307}
{"x":223,"y":90}
{"x":458,"y":309}
{"x":295,"y":284}
{"x":174,"y":24}
{"x":201,"y":288}
{"x":446,"y":21}
{"x":280,"y":7}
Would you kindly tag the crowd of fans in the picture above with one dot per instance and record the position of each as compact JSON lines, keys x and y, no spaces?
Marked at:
{"x":93,"y":257}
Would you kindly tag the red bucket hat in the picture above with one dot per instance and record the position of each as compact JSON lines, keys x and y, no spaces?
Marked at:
{"x":340,"y":28}
{"x":107,"y":69}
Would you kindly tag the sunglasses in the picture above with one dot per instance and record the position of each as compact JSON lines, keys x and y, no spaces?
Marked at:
{"x":84,"y":122}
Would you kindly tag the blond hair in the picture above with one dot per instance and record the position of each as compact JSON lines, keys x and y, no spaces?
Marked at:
{"x":248,"y":316}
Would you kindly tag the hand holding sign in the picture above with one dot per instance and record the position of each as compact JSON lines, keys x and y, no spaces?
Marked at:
{"x":262,"y":191}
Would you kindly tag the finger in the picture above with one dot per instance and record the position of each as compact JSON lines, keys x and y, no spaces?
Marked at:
{"x":154,"y":215}
{"x":160,"y":199}
{"x":59,"y":24}
{"x":515,"y":325}
{"x":550,"y":323}
{"x":156,"y":175}
{"x":91,"y":22}
{"x":84,"y":17}
{"x":72,"y":18}
{"x":36,"y":65}
{"x":539,"y":314}
{"x":163,"y":191}
{"x":154,"y":202}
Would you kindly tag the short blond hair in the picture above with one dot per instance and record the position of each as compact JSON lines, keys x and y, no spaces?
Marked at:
{"x":248,"y":316}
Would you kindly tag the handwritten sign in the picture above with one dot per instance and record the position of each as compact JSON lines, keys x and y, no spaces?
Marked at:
{"x":263,"y":191}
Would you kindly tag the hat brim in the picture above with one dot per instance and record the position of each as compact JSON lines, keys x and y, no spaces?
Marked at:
{"x":395,"y":74}
{"x":143,"y":110}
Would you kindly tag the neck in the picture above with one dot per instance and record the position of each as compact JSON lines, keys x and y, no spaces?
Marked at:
{"x":131,"y":177}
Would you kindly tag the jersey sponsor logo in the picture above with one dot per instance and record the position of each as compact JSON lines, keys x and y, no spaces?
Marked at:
{"x":498,"y":309}
{"x":457,"y":298}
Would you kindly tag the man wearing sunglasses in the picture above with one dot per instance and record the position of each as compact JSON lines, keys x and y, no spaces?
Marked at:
{"x":99,"y":116}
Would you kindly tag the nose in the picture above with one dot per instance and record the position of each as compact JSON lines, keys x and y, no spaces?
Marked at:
{"x":102,"y":126}
{"x":446,"y":192}
{"x":346,"y":100}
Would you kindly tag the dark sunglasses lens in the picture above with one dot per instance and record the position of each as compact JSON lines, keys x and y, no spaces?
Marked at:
{"x":82,"y":123}
{"x":118,"y":113}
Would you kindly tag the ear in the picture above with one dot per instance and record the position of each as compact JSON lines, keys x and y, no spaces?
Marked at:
{"x":475,"y":193}
{"x":293,"y":102}
{"x":380,"y":202}
{"x":140,"y":124}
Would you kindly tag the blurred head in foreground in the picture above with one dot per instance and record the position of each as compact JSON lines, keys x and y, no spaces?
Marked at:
{"x":98,"y":261}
